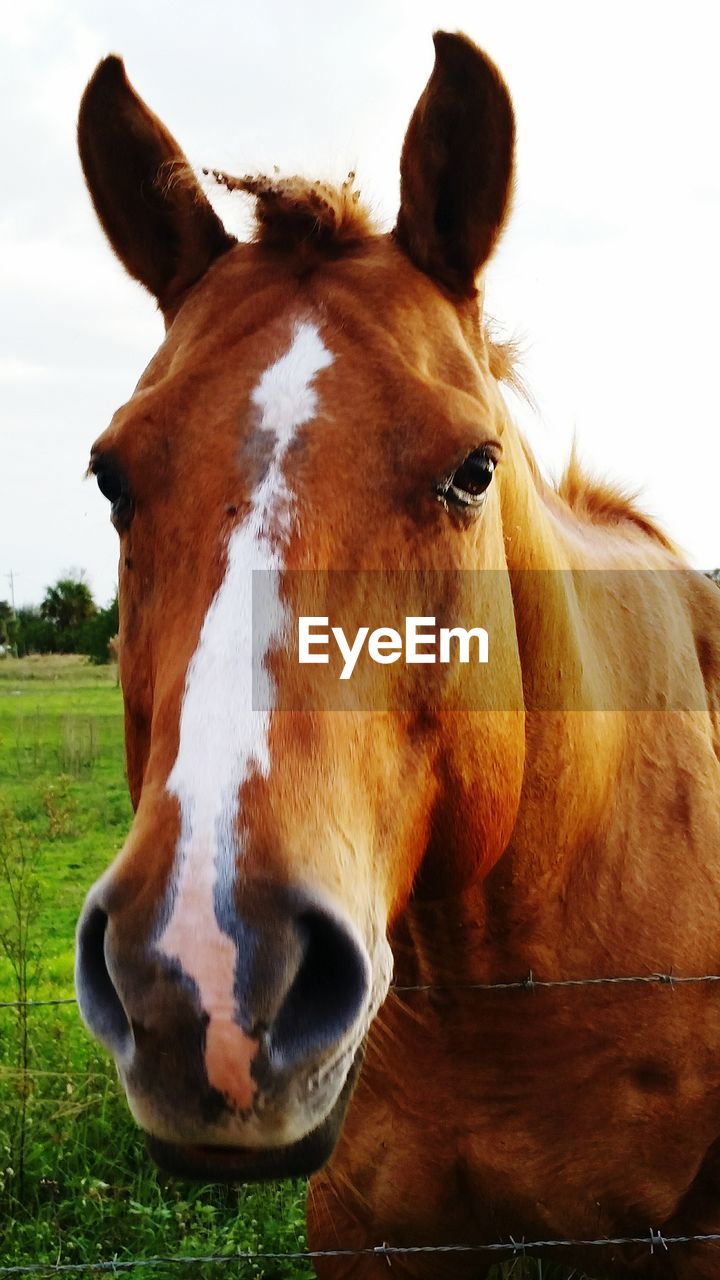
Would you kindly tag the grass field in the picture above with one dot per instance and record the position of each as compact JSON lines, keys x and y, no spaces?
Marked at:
{"x":75,"y":1183}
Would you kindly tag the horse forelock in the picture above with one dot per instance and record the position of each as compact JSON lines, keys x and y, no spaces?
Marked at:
{"x":296,"y":213}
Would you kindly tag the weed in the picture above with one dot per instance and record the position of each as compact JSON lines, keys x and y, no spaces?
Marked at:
{"x":60,"y":807}
{"x":19,"y":914}
{"x":78,"y":749}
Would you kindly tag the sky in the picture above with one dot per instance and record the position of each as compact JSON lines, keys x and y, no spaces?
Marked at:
{"x":609,"y":273}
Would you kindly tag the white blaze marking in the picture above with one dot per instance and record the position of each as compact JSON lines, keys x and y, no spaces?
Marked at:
{"x":222,"y":738}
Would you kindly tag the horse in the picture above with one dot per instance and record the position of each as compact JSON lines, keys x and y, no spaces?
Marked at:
{"x":308,"y":956}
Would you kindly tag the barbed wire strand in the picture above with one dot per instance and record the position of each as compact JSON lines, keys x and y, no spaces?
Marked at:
{"x":529,"y":983}
{"x":34,"y":1004}
{"x":652,"y":1239}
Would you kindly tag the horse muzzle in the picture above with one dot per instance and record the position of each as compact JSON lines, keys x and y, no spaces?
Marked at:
{"x":245,"y":1080}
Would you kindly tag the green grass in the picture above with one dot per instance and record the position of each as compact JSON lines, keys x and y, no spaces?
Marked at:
{"x":62,"y":778}
{"x":75,"y":1182}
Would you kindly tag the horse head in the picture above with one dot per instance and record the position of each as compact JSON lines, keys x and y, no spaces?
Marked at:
{"x":326,"y":401}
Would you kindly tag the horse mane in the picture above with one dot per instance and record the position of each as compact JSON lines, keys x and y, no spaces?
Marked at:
{"x":602,"y":502}
{"x":504,"y":359}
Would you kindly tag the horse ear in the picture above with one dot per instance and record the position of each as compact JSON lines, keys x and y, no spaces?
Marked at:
{"x":456,"y":170}
{"x":154,"y":213}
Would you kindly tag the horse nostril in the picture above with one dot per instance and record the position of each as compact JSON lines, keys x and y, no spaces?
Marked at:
{"x":99,"y":1002}
{"x":327,"y":992}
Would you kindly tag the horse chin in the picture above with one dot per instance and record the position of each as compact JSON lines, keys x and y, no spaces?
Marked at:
{"x":201,"y":1163}
{"x":245,"y":1164}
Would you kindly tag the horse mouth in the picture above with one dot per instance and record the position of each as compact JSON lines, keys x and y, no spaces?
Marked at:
{"x":200,"y":1163}
{"x":243,"y":1164}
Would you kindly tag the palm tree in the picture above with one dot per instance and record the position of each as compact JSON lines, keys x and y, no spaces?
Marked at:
{"x":67,"y":605}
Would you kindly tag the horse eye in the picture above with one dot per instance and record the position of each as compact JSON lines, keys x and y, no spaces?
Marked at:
{"x":466,"y":487}
{"x":110,"y":483}
{"x":113,"y":485}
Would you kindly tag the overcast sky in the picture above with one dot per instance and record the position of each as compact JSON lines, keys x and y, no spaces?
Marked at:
{"x":610,"y":271}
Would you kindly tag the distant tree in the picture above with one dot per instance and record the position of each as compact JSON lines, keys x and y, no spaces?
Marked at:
{"x":33,"y":633}
{"x":98,"y":631}
{"x":68,"y":606}
{"x":7,"y":623}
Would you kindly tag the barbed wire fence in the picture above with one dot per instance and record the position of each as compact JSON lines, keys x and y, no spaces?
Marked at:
{"x":528,"y":983}
{"x":517,"y":1248}
{"x":653,"y":1238}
